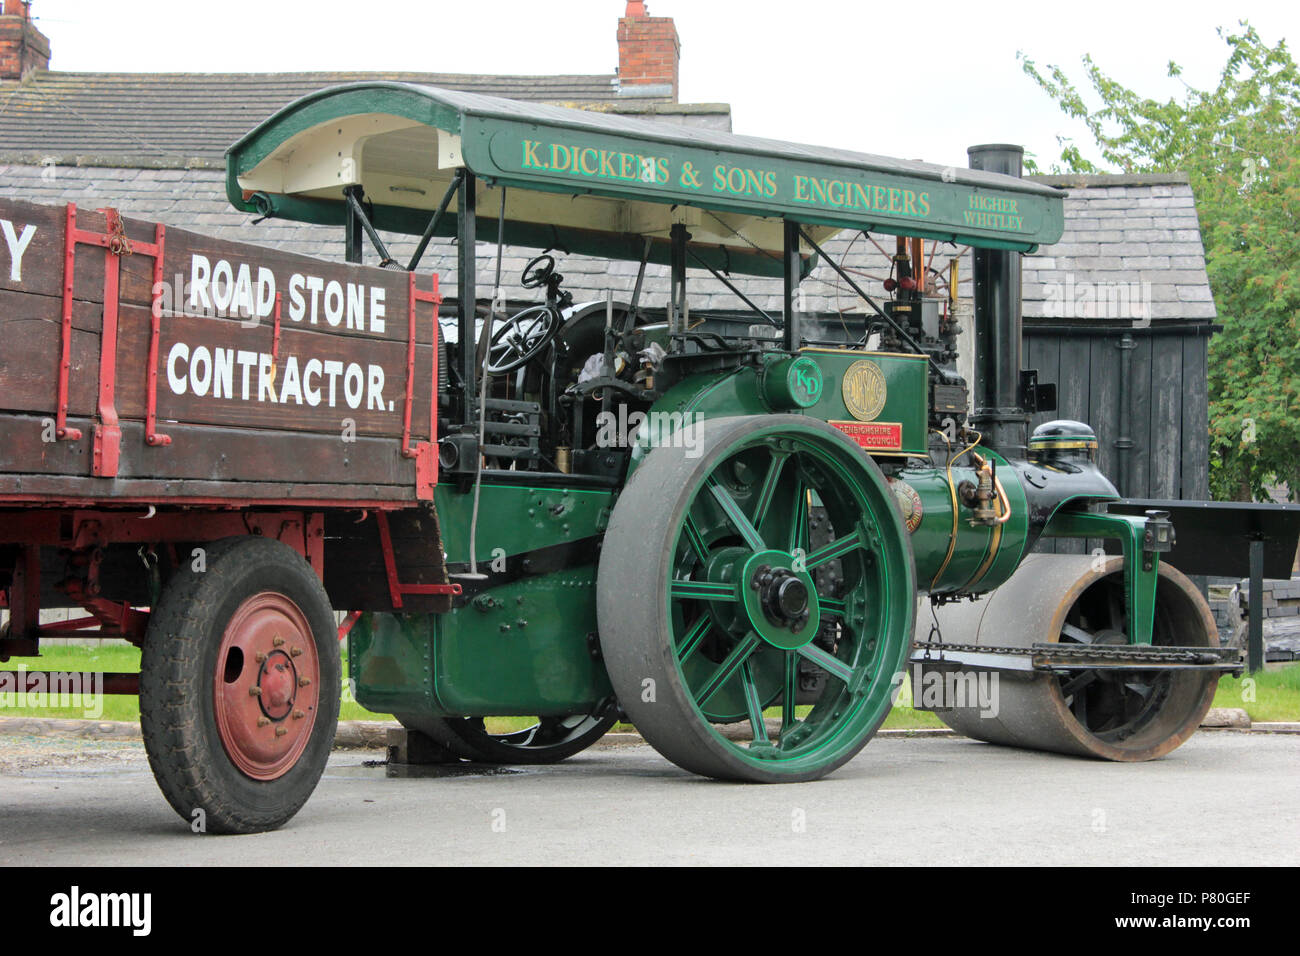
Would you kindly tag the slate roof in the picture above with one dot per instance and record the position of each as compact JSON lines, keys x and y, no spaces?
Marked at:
{"x":178,"y":119}
{"x":1119,"y":230}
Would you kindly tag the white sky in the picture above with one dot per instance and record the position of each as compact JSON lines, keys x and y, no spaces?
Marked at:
{"x":918,"y":80}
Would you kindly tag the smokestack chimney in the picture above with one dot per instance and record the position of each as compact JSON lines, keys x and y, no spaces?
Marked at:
{"x":649,"y":53}
{"x":999,"y":408}
{"x":23,"y":48}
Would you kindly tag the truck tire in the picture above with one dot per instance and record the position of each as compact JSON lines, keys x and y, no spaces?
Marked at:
{"x":240,"y":686}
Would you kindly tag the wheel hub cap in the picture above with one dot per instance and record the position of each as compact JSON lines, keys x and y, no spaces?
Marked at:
{"x":278,"y":681}
{"x":266,"y":686}
{"x":780,"y":602}
{"x":784,"y":596}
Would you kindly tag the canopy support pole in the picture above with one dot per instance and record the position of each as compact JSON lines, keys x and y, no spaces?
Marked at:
{"x":634,"y":310}
{"x":467,"y":239}
{"x":482,"y":355}
{"x":678,"y":312}
{"x":437,"y":218}
{"x":735,"y":291}
{"x":352,"y":245}
{"x":357,"y":221}
{"x":792,"y":336}
{"x":1255,"y":612}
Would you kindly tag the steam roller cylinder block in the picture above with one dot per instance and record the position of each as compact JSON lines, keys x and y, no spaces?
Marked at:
{"x":1114,"y":715}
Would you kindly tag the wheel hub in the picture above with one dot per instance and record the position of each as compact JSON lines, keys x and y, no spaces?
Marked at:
{"x":783,"y":595}
{"x":780,"y":602}
{"x":278,"y":681}
{"x":1113,"y":638}
{"x":266,"y":686}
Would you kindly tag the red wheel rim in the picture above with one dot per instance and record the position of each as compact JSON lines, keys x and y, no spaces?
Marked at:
{"x":266,"y":686}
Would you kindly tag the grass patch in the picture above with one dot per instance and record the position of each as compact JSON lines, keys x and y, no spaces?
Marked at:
{"x":108,"y":658}
{"x":1273,"y":694}
{"x":1270,"y":696}
{"x":905,"y":718}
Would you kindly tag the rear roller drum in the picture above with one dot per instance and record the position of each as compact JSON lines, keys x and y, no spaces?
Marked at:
{"x":1126,"y":715}
{"x":711,"y":606}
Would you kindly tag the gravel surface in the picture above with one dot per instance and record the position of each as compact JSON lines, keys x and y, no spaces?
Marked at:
{"x":20,"y":754}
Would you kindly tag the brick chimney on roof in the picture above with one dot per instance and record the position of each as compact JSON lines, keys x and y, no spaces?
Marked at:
{"x":23,"y":48}
{"x":649,"y":53}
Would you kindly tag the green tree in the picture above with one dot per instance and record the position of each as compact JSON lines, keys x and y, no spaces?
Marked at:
{"x":1238,"y":144}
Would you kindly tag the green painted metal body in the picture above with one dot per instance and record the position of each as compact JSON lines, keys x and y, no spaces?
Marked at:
{"x":1141,"y":567}
{"x":515,"y":519}
{"x":523,"y":647}
{"x":519,"y":648}
{"x":749,"y":390}
{"x":951,"y":554}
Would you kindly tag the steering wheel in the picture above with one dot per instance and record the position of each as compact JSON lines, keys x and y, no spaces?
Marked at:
{"x":538,"y":272}
{"x":525,"y":335}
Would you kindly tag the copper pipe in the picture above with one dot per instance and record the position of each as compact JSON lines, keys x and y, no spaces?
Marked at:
{"x":1006,"y":502}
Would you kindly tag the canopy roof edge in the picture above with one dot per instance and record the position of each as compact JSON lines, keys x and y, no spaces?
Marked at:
{"x":622,"y":176}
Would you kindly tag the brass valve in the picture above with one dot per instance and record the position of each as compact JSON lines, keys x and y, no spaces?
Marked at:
{"x":980,"y":498}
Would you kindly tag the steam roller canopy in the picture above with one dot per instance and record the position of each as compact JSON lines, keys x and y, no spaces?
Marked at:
{"x":1126,"y":715}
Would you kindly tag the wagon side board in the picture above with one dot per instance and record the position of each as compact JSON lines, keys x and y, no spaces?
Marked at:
{"x":235,"y":372}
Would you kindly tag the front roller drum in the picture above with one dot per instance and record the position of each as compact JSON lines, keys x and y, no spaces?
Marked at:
{"x":714,"y":604}
{"x":1127,"y":715}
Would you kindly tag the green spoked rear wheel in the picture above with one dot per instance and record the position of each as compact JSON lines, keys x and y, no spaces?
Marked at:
{"x":715,"y":604}
{"x":550,"y":740}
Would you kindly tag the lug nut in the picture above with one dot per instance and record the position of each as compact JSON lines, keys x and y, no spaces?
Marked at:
{"x":260,"y":657}
{"x":304,"y":681}
{"x":299,"y":715}
{"x":295,"y":652}
{"x":254,"y":692}
{"x":263,"y":721}
{"x":281,"y":731}
{"x":278,"y":641}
